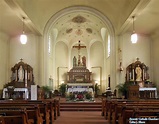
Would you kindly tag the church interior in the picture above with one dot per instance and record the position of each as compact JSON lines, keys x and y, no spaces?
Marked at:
{"x":80,"y":44}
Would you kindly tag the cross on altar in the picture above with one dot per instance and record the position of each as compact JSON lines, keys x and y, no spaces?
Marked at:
{"x":21,"y":59}
{"x":79,"y":47}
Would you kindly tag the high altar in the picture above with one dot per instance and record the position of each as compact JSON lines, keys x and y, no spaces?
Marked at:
{"x":21,"y":80}
{"x":79,"y":78}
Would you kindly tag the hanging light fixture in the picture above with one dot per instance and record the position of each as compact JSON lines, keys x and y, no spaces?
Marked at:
{"x":133,"y":35}
{"x":23,"y":37}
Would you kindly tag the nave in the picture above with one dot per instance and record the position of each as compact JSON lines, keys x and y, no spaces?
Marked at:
{"x":81,"y":117}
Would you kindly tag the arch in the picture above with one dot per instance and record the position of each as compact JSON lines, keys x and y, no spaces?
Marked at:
{"x":89,"y":10}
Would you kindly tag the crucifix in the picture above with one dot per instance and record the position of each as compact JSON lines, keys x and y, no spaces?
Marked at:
{"x":79,"y":56}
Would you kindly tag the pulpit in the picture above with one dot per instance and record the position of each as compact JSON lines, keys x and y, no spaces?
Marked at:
{"x":133,"y":92}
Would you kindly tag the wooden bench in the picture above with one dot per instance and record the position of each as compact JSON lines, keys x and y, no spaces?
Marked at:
{"x":33,"y":111}
{"x":49,"y":108}
{"x":114,"y":107}
{"x":129,"y":111}
{"x":14,"y":116}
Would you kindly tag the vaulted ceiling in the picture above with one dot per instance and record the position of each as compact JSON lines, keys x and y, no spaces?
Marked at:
{"x":78,"y":25}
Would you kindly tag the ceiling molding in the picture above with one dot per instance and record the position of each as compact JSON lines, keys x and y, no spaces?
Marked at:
{"x":20,"y":13}
{"x":136,"y":12}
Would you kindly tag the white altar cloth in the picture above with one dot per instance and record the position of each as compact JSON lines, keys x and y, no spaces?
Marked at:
{"x":80,"y":90}
{"x":149,"y":89}
{"x":79,"y":84}
{"x":18,"y":89}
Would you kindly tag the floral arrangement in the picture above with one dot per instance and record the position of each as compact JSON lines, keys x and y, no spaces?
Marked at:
{"x":79,"y":96}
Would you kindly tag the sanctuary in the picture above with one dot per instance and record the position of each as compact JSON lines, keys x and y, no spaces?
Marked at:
{"x":79,"y":78}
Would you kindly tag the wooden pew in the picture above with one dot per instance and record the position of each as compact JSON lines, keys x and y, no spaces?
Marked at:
{"x":49,"y":108}
{"x":33,"y":111}
{"x":114,"y":110}
{"x":54,"y":106}
{"x":44,"y":110}
{"x":44,"y":106}
{"x":14,"y":116}
{"x":129,"y":111}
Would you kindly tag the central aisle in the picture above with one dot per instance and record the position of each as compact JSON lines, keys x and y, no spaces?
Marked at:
{"x":80,"y":117}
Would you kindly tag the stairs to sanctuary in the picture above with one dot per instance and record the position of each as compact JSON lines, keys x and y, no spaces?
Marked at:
{"x":81,"y":106}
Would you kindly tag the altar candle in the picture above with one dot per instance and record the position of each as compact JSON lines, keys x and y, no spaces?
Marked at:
{"x":133,"y":74}
{"x":143,"y":74}
{"x":130,"y":75}
{"x":16,"y":75}
{"x":25,"y":78}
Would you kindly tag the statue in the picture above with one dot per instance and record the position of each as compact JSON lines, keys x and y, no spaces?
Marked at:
{"x":20,"y":74}
{"x":138,"y":72}
{"x":74,"y":61}
{"x":84,"y":61}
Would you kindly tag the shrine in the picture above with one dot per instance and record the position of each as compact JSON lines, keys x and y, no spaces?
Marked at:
{"x":21,"y":80}
{"x":137,"y":73}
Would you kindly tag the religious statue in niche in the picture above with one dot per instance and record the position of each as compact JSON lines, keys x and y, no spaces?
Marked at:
{"x":84,"y":61}
{"x":137,"y":72}
{"x":74,"y":61}
{"x":20,"y":74}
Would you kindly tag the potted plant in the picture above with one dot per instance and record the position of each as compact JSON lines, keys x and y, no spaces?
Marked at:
{"x":122,"y":89}
{"x":62,"y":89}
{"x":46,"y":90}
{"x":96,"y":89}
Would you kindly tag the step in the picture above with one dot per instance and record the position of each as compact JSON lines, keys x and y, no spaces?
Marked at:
{"x":81,"y":106}
{"x":80,"y":109}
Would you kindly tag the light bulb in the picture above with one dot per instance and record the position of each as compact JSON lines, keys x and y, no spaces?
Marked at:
{"x":134,"y":38}
{"x":23,"y":39}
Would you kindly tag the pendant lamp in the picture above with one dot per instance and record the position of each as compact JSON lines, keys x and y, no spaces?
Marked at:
{"x":23,"y":36}
{"x":134,"y":35}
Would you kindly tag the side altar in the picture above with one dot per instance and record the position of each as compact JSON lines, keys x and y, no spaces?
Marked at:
{"x":21,"y":80}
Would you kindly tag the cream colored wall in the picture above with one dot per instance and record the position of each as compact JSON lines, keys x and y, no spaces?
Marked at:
{"x":4,"y":49}
{"x":130,"y":52}
{"x":30,"y":53}
{"x":97,"y":63}
{"x":155,"y":59}
{"x":61,"y":63}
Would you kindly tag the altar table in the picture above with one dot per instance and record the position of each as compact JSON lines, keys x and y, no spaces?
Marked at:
{"x":148,"y":92}
{"x":25,"y":90}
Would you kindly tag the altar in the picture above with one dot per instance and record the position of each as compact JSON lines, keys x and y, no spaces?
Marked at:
{"x":137,"y":74}
{"x":80,"y":87}
{"x":21,"y":80}
{"x":148,"y":92}
{"x":22,"y":93}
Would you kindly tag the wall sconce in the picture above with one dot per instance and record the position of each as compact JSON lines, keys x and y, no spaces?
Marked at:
{"x":134,"y":35}
{"x":120,"y":67}
{"x":23,"y":37}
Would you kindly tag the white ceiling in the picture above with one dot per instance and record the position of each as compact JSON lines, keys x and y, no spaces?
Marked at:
{"x":39,"y":12}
